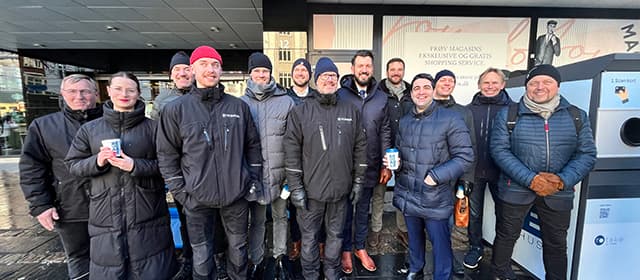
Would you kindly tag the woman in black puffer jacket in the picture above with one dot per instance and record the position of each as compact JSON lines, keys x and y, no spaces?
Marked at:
{"x":129,"y":222}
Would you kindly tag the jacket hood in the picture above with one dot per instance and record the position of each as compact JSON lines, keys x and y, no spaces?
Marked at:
{"x":501,"y":98}
{"x":348,"y":82}
{"x":124,"y":120}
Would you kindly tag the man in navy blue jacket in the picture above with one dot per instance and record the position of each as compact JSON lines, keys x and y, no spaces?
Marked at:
{"x":542,"y":157}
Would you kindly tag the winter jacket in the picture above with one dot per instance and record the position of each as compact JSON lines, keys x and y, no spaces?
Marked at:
{"x":163,"y":98}
{"x":324,"y":148}
{"x":397,"y":107}
{"x":434,"y":142}
{"x":529,"y":150}
{"x":375,"y":120}
{"x":270,"y":116}
{"x":209,"y":148}
{"x":297,"y":99}
{"x":484,"y":110}
{"x":129,"y":221}
{"x":44,"y":178}
{"x":466,"y":114}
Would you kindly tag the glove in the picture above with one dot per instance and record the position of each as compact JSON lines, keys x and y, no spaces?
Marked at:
{"x":385,"y":176}
{"x":468,"y":187}
{"x":298,"y":198}
{"x":356,"y":193}
{"x":542,"y":186}
{"x":553,"y":178}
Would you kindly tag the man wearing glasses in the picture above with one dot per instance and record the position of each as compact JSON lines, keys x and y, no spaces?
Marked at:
{"x":56,"y":198}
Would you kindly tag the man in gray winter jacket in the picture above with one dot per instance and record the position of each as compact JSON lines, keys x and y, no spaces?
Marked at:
{"x":181,"y":77}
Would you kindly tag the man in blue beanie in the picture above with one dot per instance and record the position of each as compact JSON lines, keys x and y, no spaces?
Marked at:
{"x":327,"y":132}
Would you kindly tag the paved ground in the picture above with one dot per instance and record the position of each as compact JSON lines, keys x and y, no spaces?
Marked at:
{"x":27,"y":251}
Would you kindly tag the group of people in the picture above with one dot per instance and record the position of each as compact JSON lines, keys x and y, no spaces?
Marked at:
{"x":316,"y":157}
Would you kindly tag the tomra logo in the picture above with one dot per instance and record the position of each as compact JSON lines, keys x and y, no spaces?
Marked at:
{"x":599,"y":240}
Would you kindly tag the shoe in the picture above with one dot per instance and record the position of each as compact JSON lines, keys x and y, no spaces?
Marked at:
{"x":415,"y":275}
{"x":184,"y":273}
{"x":457,"y":268}
{"x":404,"y":269}
{"x":221,"y":266}
{"x":321,"y":247}
{"x":404,"y":238}
{"x":472,"y":258}
{"x":366,"y":260}
{"x":256,"y":271}
{"x":347,"y":264}
{"x":294,"y":253}
{"x":280,"y":272}
{"x":373,"y":239}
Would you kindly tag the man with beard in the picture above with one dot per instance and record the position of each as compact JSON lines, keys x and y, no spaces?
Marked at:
{"x":325,"y":163}
{"x":270,"y":106}
{"x":445,"y":84}
{"x":361,"y":90}
{"x":203,"y":137}
{"x":399,"y":103}
{"x":56,"y":198}
{"x":301,"y":74}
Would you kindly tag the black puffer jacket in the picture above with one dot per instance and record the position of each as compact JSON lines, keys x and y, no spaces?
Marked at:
{"x":435,"y":142}
{"x":397,"y":107}
{"x":208,"y":148}
{"x":44,"y":178}
{"x":324,"y":148}
{"x":128,"y":216}
{"x":375,"y":120}
{"x":484,"y":110}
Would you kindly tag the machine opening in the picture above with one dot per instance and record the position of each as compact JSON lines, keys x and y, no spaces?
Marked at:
{"x":630,"y":132}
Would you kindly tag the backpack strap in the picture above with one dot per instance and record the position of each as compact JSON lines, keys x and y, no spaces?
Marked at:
{"x":576,"y":116}
{"x":512,"y":116}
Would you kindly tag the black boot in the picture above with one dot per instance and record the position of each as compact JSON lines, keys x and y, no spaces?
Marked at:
{"x":185,"y":271}
{"x":256,"y":271}
{"x":280,"y":271}
{"x":221,"y":266}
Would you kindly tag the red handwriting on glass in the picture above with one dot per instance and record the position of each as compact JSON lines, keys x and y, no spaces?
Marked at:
{"x":420,"y":26}
{"x":519,"y":55}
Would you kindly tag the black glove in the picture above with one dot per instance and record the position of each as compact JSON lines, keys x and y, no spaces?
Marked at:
{"x":356,"y":193}
{"x":468,"y":187}
{"x":298,"y":198}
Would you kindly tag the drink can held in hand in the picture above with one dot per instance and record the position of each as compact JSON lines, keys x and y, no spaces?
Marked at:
{"x":114,"y":144}
{"x":393,"y":156}
{"x":284,"y":194}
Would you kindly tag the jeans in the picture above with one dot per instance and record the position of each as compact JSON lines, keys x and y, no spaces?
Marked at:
{"x":553,"y":227}
{"x":200,"y":224}
{"x":279,"y":216}
{"x":332,"y":216}
{"x":75,"y":240}
{"x":440,"y":235}
{"x":257,"y":230}
{"x":361,"y":218}
{"x":476,"y":207}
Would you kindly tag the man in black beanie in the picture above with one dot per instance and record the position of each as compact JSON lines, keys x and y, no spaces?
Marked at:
{"x":542,"y":157}
{"x":325,"y":163}
{"x":301,"y":75}
{"x":181,"y":76}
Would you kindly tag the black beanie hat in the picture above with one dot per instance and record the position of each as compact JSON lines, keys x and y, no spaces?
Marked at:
{"x":444,"y":73}
{"x":179,"y":58}
{"x":302,"y":61}
{"x":258,"y":59}
{"x":324,"y":64}
{"x":543,"y":69}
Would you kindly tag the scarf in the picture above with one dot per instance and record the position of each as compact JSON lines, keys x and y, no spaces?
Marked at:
{"x":397,"y":91}
{"x":543,"y":109}
{"x":261,"y":91}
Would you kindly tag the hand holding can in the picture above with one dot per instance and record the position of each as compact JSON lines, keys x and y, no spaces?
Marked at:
{"x":392,"y":158}
{"x":113,"y":144}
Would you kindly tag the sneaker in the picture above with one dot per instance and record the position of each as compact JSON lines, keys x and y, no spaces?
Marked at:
{"x":472,"y":258}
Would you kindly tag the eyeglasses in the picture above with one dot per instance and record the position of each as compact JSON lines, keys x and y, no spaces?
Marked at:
{"x":83,"y":92}
{"x":327,"y":76}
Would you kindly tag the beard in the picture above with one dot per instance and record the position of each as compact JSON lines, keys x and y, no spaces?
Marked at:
{"x":363,"y":83}
{"x":304,"y":84}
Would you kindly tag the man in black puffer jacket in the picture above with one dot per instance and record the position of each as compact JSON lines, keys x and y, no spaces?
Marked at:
{"x":325,"y":162}
{"x":57,"y":198}
{"x":210,"y":157}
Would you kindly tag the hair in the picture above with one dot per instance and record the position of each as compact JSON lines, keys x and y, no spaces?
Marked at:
{"x":492,"y":70}
{"x":552,"y":22}
{"x":395,"y":59}
{"x":362,"y":53}
{"x":128,"y":75}
{"x":423,"y":76}
{"x":75,"y":78}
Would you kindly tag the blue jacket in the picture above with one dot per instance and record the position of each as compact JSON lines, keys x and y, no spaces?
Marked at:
{"x":434,"y":142}
{"x":529,"y":150}
{"x":375,"y":120}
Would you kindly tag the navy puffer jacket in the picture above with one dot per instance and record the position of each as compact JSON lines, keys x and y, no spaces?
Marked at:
{"x":529,"y":150}
{"x":435,"y":142}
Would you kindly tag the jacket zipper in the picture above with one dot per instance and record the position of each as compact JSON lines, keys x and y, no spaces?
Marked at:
{"x":322,"y":139}
{"x":207,"y":138}
{"x":546,"y":132}
{"x":339,"y":136}
{"x":226,"y":137}
{"x":122,"y":197}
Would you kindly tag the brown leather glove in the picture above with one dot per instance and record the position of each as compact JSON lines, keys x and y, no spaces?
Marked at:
{"x":385,"y":176}
{"x":542,"y":186}
{"x":553,"y":178}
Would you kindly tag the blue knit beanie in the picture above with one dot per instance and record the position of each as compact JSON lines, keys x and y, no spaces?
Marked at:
{"x":304,"y":63}
{"x":324,"y":64}
{"x":444,"y":73}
